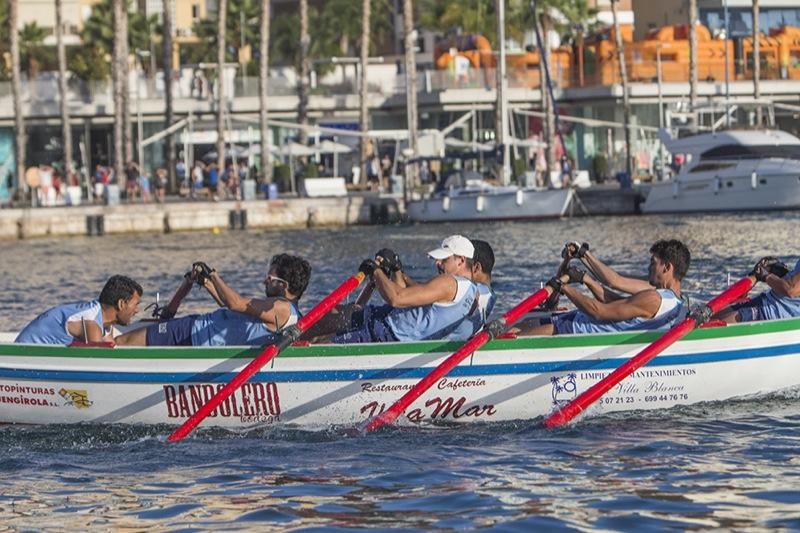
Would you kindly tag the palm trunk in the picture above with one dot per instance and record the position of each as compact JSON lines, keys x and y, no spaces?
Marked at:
{"x":170,"y":146}
{"x":624,"y":78}
{"x":118,"y":73}
{"x":222,"y":16}
{"x":302,"y":87}
{"x":693,"y":57}
{"x":126,"y":85}
{"x":263,"y":79}
{"x":756,"y":63}
{"x":501,"y":106}
{"x":547,"y":106}
{"x":62,"y":90}
{"x":411,"y":86}
{"x":362,"y":89}
{"x":20,"y":138}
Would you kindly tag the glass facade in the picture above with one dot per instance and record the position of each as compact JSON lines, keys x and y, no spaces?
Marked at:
{"x":740,"y":20}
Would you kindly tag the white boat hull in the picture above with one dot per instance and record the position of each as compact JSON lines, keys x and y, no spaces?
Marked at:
{"x":739,"y":193}
{"x":520,"y":204}
{"x":320,"y":386}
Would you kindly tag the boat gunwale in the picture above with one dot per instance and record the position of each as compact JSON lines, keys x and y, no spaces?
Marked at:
{"x":393,"y":349}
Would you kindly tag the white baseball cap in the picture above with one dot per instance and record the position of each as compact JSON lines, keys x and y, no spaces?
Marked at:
{"x":454,"y":245}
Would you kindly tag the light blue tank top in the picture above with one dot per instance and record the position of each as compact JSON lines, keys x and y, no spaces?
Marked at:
{"x":51,"y":326}
{"x":670,"y":311}
{"x":774,"y":306}
{"x":476,"y":321}
{"x":224,"y":327}
{"x":437,"y":320}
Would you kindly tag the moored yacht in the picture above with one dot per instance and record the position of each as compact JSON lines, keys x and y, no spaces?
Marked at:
{"x":733,"y":170}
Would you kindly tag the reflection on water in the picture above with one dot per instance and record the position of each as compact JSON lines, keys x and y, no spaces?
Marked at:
{"x":731,"y":465}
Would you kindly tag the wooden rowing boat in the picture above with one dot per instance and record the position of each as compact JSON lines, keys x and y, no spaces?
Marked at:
{"x":323,"y":385}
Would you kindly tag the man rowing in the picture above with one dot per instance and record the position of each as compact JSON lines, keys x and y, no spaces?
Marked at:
{"x":654,"y":303}
{"x":412,"y":311}
{"x":88,"y":321}
{"x":782,"y":300}
{"x":241,"y":321}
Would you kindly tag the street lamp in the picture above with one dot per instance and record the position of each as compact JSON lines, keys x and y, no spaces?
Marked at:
{"x":142,"y":54}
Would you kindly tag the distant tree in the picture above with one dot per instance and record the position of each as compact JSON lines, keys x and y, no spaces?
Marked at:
{"x":20,"y":136}
{"x":66,"y":129}
{"x":32,"y":49}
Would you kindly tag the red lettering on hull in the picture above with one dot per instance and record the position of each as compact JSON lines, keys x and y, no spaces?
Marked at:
{"x":251,"y":402}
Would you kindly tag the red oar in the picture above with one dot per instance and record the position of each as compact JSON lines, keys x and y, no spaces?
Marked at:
{"x":172,"y":308}
{"x":490,"y":331}
{"x":696,"y":318}
{"x":286,"y":337}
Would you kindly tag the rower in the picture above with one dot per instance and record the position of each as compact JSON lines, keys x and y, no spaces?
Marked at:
{"x":654,"y":303}
{"x":240,"y":321}
{"x":413,"y":311}
{"x":88,"y":321}
{"x":782,"y":300}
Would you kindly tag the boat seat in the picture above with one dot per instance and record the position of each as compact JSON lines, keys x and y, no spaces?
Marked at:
{"x":98,"y":344}
{"x":301,"y":343}
{"x":714,"y":324}
{"x":507,"y":335}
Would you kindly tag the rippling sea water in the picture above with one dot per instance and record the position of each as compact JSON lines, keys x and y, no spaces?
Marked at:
{"x":731,"y":465}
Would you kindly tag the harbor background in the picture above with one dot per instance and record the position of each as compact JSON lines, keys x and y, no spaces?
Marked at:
{"x":728,"y":465}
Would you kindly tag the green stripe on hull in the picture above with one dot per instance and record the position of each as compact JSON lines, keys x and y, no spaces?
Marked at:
{"x":372,"y":350}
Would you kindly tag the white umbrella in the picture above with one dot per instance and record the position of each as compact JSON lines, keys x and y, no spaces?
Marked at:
{"x":294,"y":149}
{"x":332,"y":147}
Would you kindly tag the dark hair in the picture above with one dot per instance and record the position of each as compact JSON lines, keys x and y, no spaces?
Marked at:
{"x":293,"y":269}
{"x":119,"y":288}
{"x":675,"y":253}
{"x":484,"y":255}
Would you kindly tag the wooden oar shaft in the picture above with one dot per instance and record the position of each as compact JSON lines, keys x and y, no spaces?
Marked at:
{"x":285,"y":339}
{"x":593,"y":393}
{"x":478,"y":340}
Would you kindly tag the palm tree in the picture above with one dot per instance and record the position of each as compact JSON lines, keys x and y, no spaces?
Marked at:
{"x":20,"y":138}
{"x":756,"y":63}
{"x":221,"y":21}
{"x":363,"y":91}
{"x":624,"y":77}
{"x":411,"y":85}
{"x":119,"y":74}
{"x":167,"y":43}
{"x":66,"y":130}
{"x":263,"y":78}
{"x":302,"y":86}
{"x":693,"y":57}
{"x":501,"y":108}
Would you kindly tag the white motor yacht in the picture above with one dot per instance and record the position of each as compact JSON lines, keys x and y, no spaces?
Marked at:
{"x":733,"y":170}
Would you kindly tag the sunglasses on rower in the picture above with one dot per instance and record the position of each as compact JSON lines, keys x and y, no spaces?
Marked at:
{"x":270,"y":279}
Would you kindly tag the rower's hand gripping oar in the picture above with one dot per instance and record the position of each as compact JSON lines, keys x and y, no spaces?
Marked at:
{"x":572,"y":250}
{"x":285,"y":338}
{"x":695,"y":318}
{"x":490,"y":331}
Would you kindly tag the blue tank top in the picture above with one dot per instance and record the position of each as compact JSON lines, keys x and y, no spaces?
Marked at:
{"x":224,"y":327}
{"x":669,"y":312}
{"x":51,"y":326}
{"x":437,"y":320}
{"x":774,"y":306}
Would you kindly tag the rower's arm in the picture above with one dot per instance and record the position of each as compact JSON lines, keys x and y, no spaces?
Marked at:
{"x":441,"y":288}
{"x":789,"y":288}
{"x":609,"y":276}
{"x":273,"y":312}
{"x":212,"y":290}
{"x":600,"y":291}
{"x":644,"y":304}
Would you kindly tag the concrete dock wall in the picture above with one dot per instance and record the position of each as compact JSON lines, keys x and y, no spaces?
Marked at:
{"x":189,"y":216}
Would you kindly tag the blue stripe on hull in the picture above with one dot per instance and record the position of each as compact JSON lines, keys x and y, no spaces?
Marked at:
{"x":393,"y":373}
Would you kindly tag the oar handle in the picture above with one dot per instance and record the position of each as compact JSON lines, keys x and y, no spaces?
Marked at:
{"x":696,"y":318}
{"x":479,"y":339}
{"x":286,"y":338}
